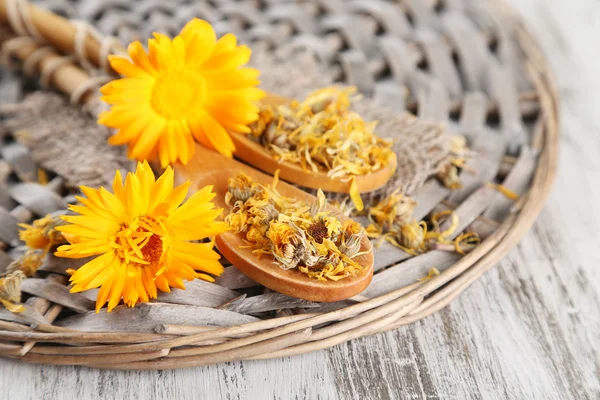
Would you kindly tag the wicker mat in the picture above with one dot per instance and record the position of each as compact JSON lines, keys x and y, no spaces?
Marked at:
{"x":469,"y":66}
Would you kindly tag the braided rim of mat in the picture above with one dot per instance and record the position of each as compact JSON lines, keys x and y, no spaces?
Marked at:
{"x":444,"y":62}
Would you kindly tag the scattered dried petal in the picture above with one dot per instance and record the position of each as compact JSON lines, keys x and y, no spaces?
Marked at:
{"x":432,"y":272}
{"x":509,"y":194}
{"x":355,"y":195}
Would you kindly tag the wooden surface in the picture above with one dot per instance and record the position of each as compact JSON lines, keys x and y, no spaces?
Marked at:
{"x":529,"y":329}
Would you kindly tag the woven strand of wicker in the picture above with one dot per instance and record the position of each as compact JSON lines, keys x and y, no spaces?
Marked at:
{"x":469,"y":64}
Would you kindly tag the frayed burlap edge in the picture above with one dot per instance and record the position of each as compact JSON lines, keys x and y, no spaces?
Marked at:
{"x":65,"y":139}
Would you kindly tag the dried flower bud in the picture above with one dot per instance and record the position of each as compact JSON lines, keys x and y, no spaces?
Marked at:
{"x":394,"y":209}
{"x":351,"y":227}
{"x":240,"y":187}
{"x":29,"y":263}
{"x":265,"y":116}
{"x":411,"y":235}
{"x":448,"y":175}
{"x":288,"y":243}
{"x":351,"y":246}
{"x":264,"y":212}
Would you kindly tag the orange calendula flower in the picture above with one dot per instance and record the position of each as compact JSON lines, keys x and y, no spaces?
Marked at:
{"x":190,"y":87}
{"x":143,"y":236}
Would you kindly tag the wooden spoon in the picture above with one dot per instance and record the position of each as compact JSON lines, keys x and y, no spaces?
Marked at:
{"x":208,"y":167}
{"x":256,"y":155}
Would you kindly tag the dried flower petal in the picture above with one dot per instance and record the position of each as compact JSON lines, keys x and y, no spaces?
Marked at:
{"x":509,"y":194}
{"x":41,"y":234}
{"x":432,"y":272}
{"x":355,"y":195}
{"x":29,"y":263}
{"x":448,"y":175}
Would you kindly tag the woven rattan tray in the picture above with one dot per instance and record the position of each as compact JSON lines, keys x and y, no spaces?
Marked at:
{"x":471,"y":64}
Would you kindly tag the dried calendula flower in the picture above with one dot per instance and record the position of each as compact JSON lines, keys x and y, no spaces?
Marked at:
{"x":396,"y":208}
{"x":40,"y":237}
{"x":298,"y":235}
{"x":287,"y":242}
{"x":448,"y":175}
{"x":391,"y":220}
{"x":41,"y":234}
{"x":459,"y":154}
{"x":10,"y":291}
{"x":350,"y":243}
{"x":412,"y":234}
{"x":29,"y":263}
{"x":409,"y":237}
{"x":466,"y":242}
{"x":322,"y":133}
{"x":241,"y":189}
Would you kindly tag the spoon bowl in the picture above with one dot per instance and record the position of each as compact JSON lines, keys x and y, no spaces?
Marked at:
{"x":259,"y":157}
{"x":208,"y":167}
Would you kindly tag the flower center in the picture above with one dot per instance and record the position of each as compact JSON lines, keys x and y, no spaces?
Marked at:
{"x":153,"y":249}
{"x":318,"y":231}
{"x":140,"y":246}
{"x":175,"y":93}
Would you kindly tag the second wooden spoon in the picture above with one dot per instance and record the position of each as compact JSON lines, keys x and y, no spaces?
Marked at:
{"x":258,"y":156}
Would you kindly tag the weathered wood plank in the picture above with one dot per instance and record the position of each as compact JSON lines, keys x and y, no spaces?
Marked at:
{"x":409,"y":271}
{"x":146,"y":317}
{"x":199,"y":293}
{"x":267,"y":302}
{"x":57,"y":293}
{"x":233,"y":279}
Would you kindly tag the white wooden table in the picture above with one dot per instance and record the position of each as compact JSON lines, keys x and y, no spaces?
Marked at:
{"x":529,"y":329}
